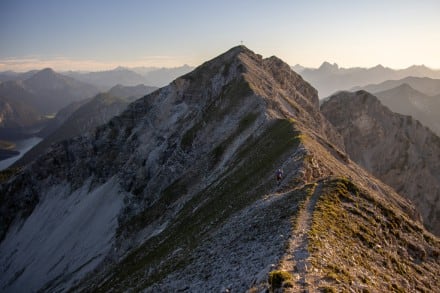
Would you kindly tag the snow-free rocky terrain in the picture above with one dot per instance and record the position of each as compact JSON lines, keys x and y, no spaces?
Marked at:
{"x":177,"y":194}
{"x":395,"y":148}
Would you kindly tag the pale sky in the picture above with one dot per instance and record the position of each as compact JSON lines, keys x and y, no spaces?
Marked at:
{"x":102,"y":34}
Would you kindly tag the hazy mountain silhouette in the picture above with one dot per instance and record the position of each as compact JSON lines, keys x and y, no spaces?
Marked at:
{"x":47,"y":91}
{"x":150,"y":76}
{"x":330,"y":78}
{"x":163,"y":76}
{"x":16,"y":114}
{"x":405,"y":100}
{"x":81,"y":117}
{"x":104,"y":80}
{"x":11,"y":75}
{"x":426,"y":85}
{"x":136,"y":91}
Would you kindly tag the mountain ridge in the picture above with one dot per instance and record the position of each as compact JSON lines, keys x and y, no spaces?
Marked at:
{"x":426,"y":85}
{"x":408,"y":101}
{"x":329,"y":79}
{"x":396,"y":148}
{"x":188,"y":178}
{"x":47,"y":91}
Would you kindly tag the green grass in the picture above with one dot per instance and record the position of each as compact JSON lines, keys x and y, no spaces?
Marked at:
{"x":229,"y":101}
{"x":169,"y":196}
{"x":7,"y":174}
{"x":255,"y":160}
{"x":369,"y":230}
{"x":7,"y":145}
{"x":279,"y":278}
{"x":219,"y":150}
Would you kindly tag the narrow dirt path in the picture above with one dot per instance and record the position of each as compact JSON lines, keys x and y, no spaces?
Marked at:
{"x":296,"y":260}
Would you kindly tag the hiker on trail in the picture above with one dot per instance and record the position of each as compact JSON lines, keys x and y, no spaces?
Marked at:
{"x":279,"y":175}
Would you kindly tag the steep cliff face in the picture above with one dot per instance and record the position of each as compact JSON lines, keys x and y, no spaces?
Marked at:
{"x":181,"y":188}
{"x":395,"y":148}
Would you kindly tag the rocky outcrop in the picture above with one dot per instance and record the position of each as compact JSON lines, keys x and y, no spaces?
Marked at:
{"x":182,"y":187}
{"x":395,"y":148}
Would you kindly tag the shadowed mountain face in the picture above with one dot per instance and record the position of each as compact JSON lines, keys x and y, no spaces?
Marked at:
{"x":408,"y":101}
{"x":47,"y":91}
{"x":16,"y":114}
{"x":425,"y":85}
{"x":18,"y":111}
{"x":395,"y":148}
{"x":178,"y":193}
{"x":81,"y":117}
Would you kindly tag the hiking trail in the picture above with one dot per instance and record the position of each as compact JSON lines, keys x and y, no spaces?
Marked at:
{"x":296,"y":260}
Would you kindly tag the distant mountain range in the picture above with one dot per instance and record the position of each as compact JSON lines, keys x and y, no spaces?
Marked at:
{"x":130,"y":93}
{"x":330,"y":78}
{"x":47,"y":91}
{"x":28,"y":99}
{"x":12,"y":75}
{"x":80,"y":117}
{"x":406,"y":100}
{"x":426,"y":85}
{"x":415,"y":96}
{"x":104,"y":80}
{"x":25,"y":101}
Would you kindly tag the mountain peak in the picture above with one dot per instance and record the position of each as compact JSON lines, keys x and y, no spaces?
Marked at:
{"x":265,"y":77}
{"x":46,"y":71}
{"x":326,"y":66}
{"x":240,"y":49}
{"x":378,"y":66}
{"x":183,"y":180}
{"x":421,"y":66}
{"x":234,"y":53}
{"x":406,"y":87}
{"x":120,"y":68}
{"x":44,"y":76}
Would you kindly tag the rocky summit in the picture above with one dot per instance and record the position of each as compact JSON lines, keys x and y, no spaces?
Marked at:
{"x":178,"y":194}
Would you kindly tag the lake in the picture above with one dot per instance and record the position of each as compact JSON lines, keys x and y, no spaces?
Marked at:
{"x":22,"y":146}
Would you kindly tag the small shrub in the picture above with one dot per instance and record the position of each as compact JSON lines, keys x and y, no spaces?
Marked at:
{"x":277,"y":278}
{"x":328,"y":290}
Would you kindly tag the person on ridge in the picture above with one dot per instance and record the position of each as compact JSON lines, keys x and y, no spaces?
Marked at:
{"x":279,"y":175}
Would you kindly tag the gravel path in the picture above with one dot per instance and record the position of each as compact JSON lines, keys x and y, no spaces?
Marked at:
{"x":296,"y":260}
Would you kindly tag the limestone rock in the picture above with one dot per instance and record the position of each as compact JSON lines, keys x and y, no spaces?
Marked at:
{"x":395,"y":148}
